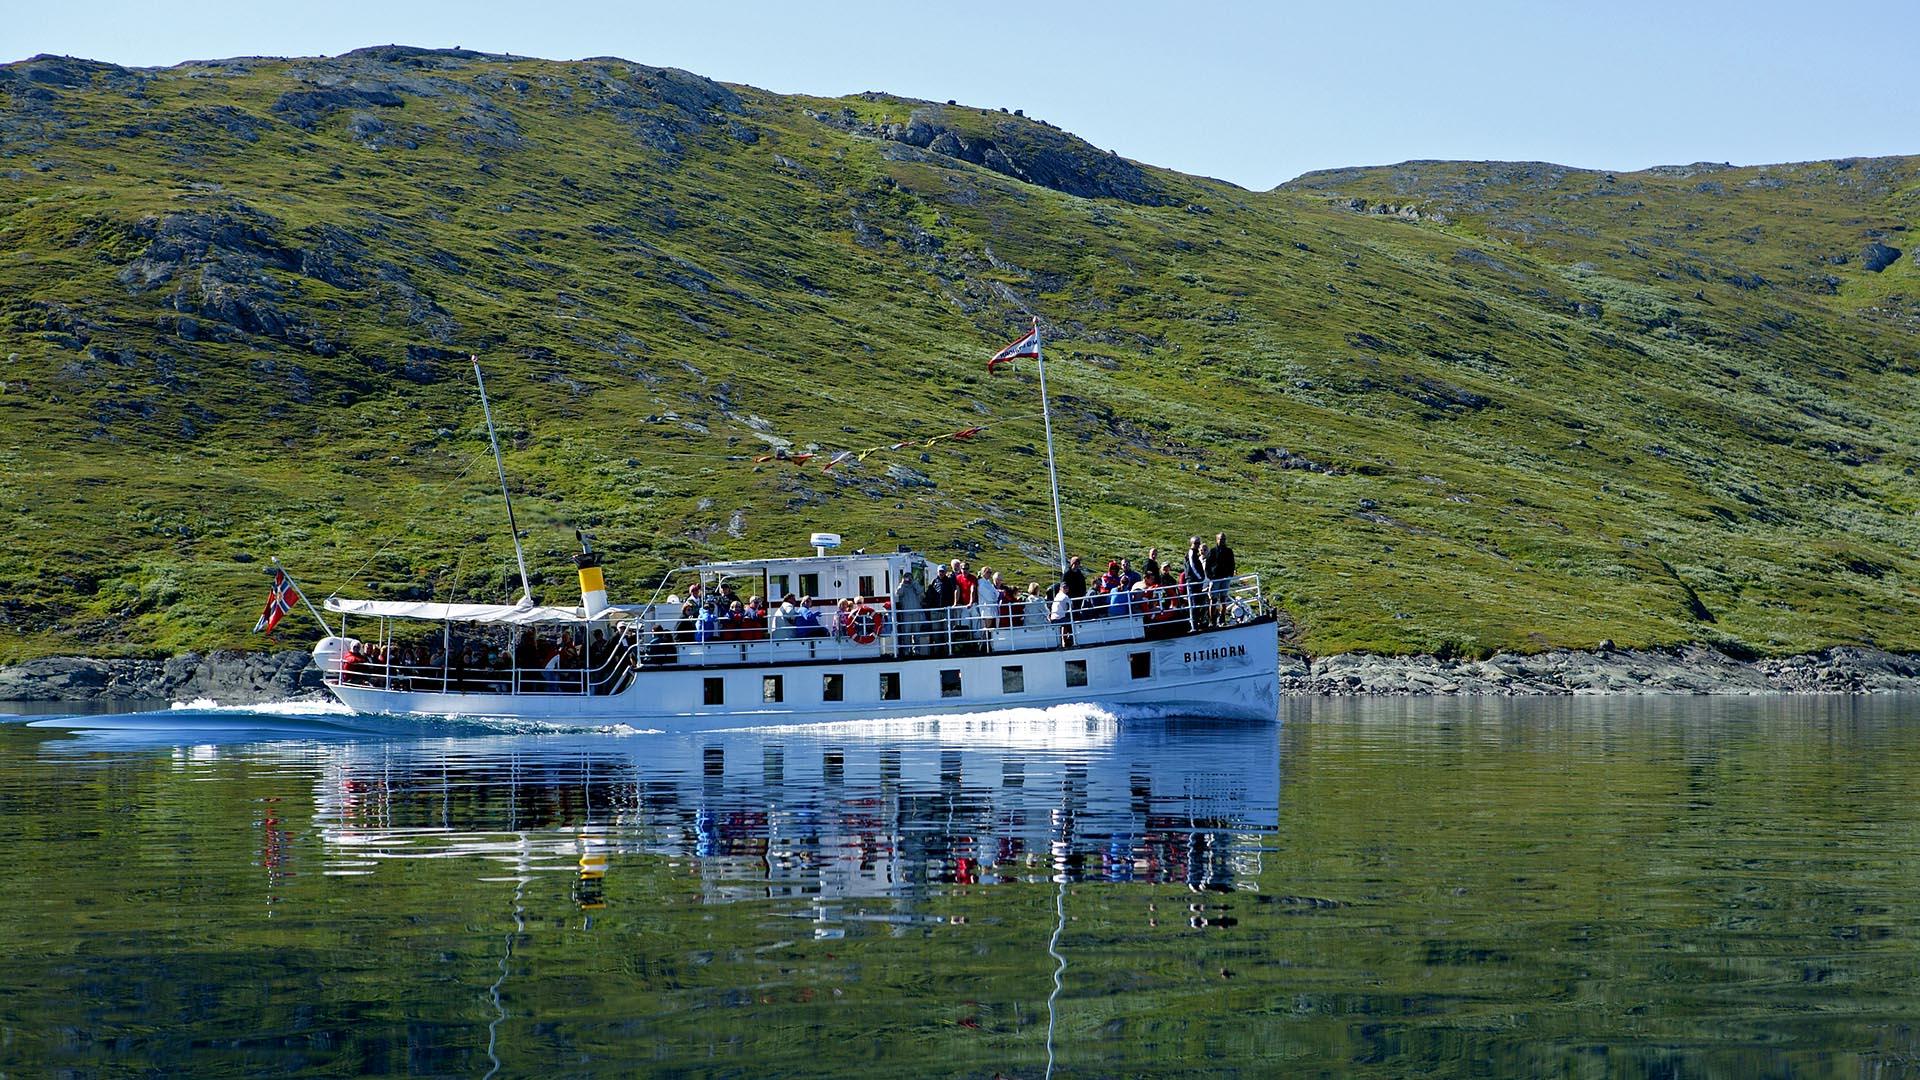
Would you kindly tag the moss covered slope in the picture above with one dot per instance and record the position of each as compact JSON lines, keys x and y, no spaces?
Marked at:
{"x":1449,"y":406}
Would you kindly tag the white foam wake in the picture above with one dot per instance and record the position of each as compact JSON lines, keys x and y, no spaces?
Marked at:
{"x":305,"y":707}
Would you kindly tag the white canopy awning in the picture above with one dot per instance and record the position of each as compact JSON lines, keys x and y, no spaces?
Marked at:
{"x":510,"y":614}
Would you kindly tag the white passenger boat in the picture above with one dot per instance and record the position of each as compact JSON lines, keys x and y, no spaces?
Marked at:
{"x":859,"y":644}
{"x":1203,"y":651}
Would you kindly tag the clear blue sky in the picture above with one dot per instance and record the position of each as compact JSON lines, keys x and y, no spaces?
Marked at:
{"x":1255,"y":93}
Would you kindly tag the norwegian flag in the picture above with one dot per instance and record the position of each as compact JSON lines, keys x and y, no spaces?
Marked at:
{"x":1027,"y":347}
{"x":279,"y":603}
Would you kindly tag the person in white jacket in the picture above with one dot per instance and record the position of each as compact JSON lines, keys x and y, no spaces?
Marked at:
{"x":987,"y":593}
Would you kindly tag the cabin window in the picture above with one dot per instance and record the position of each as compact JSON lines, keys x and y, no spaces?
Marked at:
{"x":1013,"y":679}
{"x":1142,"y":664}
{"x":889,"y":686}
{"x":776,"y":586}
{"x":809,"y":584}
{"x":950,"y":682}
{"x":1076,"y":673}
{"x":716,"y":691}
{"x":866,"y":585}
{"x":833,"y":687}
{"x":771,"y":689}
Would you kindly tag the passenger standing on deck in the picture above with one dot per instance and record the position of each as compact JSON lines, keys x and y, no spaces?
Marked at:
{"x":939,"y":603}
{"x":1195,"y":574}
{"x":963,"y":584}
{"x":1074,"y":580}
{"x":1220,"y":570}
{"x":989,"y":598}
{"x":1151,"y":568}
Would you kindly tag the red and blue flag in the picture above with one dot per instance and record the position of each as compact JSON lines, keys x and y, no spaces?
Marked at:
{"x":281,"y":601}
{"x":1026,"y":348}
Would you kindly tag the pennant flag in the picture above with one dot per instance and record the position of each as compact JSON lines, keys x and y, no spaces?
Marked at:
{"x":279,"y":602}
{"x":783,"y":455}
{"x":1027,"y":347}
{"x":837,"y":459}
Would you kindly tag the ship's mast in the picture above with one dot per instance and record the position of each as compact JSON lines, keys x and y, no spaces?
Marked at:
{"x":1046,"y":418}
{"x":520,"y":556}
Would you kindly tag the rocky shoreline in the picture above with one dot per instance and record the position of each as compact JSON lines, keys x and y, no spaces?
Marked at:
{"x":1689,"y":669}
{"x":233,"y":678}
{"x":227,"y":678}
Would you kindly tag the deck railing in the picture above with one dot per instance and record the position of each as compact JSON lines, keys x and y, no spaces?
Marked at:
{"x":975,"y":629}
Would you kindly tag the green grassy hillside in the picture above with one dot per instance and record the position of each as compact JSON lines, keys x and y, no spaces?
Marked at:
{"x":1446,"y":406}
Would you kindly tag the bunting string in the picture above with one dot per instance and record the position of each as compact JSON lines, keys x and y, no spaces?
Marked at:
{"x":842,"y":457}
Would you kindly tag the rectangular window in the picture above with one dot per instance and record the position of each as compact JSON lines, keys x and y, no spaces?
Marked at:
{"x":1076,"y":673}
{"x":833,"y":687}
{"x":716,"y":691}
{"x":809,"y":584}
{"x":771,"y":689}
{"x":866,"y":586}
{"x":776,"y":586}
{"x":1142,"y":664}
{"x":950,"y":682}
{"x":889,"y":686}
{"x":1013,"y":679}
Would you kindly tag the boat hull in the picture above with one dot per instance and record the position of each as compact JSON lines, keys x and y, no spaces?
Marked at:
{"x":1226,"y":673}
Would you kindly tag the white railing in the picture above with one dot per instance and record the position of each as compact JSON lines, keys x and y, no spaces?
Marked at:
{"x":599,"y":678}
{"x":1098,"y":618}
{"x":1016,"y":626}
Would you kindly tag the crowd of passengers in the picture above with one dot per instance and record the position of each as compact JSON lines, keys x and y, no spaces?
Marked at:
{"x":957,"y":599}
{"x":950,"y":610}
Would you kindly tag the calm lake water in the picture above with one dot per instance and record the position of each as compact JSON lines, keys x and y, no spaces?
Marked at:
{"x":1671,"y":887}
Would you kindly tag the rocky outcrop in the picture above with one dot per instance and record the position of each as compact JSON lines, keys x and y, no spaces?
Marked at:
{"x":1877,"y":256}
{"x":1023,"y":149}
{"x":229,"y":678}
{"x":1692,"y":669}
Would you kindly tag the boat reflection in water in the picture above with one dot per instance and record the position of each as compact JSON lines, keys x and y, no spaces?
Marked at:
{"x":822,"y":811}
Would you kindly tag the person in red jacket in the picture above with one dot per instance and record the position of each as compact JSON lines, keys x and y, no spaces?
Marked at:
{"x":963,"y":582}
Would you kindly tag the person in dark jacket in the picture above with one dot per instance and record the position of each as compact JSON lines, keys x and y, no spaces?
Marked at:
{"x":940,"y":590}
{"x":938,"y":599}
{"x":1074,"y":580}
{"x":1220,"y":570}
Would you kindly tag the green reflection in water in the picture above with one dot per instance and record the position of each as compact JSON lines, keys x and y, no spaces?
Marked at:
{"x":1529,"y":889}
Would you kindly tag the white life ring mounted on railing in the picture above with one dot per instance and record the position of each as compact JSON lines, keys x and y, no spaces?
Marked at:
{"x":866,"y":624}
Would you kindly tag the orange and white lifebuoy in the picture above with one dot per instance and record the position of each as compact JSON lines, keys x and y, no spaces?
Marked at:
{"x":865,"y":625}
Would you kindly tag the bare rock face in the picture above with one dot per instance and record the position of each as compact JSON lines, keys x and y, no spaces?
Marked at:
{"x":1877,"y":256}
{"x":229,"y":678}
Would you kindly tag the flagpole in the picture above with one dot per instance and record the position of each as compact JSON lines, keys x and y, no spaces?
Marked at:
{"x":1053,"y":475}
{"x":303,"y":596}
{"x":526,"y":590}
